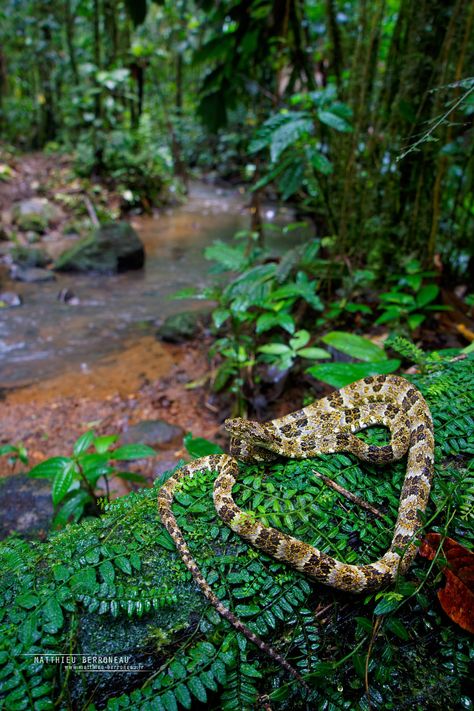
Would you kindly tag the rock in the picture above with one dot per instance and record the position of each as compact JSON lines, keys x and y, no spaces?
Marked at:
{"x":9,"y":298}
{"x":183,"y":326}
{"x":31,"y":275}
{"x":35,"y":214}
{"x":26,"y":506}
{"x":29,"y":256}
{"x":66,"y":296}
{"x":112,"y":248}
{"x":151,"y":432}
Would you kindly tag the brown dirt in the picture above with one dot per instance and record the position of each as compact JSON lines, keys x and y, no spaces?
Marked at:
{"x":146,"y":381}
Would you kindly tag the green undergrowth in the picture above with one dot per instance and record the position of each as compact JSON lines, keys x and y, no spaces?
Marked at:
{"x":115,"y":585}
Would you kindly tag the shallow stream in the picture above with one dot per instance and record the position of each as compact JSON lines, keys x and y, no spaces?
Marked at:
{"x":45,"y":337}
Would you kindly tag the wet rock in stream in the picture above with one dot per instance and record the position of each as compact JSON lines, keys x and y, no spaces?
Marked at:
{"x":110,"y":249}
{"x":183,"y":326}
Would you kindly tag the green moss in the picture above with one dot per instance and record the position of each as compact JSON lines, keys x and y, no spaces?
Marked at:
{"x":117,"y":583}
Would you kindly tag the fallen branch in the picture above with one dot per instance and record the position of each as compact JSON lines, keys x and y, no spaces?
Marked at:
{"x":349,"y":495}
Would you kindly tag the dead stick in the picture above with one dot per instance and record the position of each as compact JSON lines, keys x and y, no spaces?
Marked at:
{"x":349,"y":495}
{"x":91,"y":210}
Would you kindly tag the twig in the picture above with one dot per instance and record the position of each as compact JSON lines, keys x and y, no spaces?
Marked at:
{"x":375,"y":630}
{"x":349,"y":495}
{"x":91,"y":210}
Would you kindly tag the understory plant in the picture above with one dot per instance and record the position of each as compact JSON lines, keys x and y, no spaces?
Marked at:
{"x":74,"y":479}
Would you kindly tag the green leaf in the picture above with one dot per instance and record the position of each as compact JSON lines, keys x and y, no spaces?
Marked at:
{"x":106,"y":569}
{"x":398,"y":628}
{"x":313,"y":353}
{"x":391,"y":314}
{"x":124,"y":564}
{"x":200,"y":447}
{"x":291,"y":180}
{"x":220,"y":316}
{"x":73,"y":507}
{"x":132,"y":451}
{"x":427,"y":294}
{"x":387,"y":602}
{"x":61,"y":483}
{"x":354,"y":346}
{"x":183,"y":696}
{"x":340,"y":374}
{"x":84,"y":442}
{"x":299,"y":340}
{"x":415,"y":320}
{"x":103,"y":444}
{"x":274,"y":349}
{"x":169,"y":701}
{"x":321,"y":163}
{"x":334,"y":121}
{"x":288,"y":134}
{"x":54,"y":615}
{"x":50,"y":468}
{"x":198,"y":689}
{"x":27,"y":600}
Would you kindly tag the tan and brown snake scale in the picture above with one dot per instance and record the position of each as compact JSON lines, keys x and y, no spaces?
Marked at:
{"x":326,"y":426}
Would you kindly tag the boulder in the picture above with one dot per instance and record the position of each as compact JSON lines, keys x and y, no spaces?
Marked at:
{"x":31,"y":275}
{"x":151,"y":432}
{"x":182,"y":326}
{"x":9,"y":298}
{"x":111,"y":248}
{"x":26,"y":508}
{"x":35,"y":214}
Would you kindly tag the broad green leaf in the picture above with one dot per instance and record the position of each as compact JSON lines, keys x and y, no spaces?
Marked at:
{"x":200,"y":447}
{"x":61,"y":483}
{"x":415,"y":320}
{"x":355,"y":346}
{"x":132,"y":451}
{"x":313,"y":353}
{"x":288,"y":134}
{"x":72,"y":508}
{"x":391,"y":314}
{"x":427,"y":294}
{"x":49,"y":468}
{"x":103,"y":444}
{"x":299,"y":340}
{"x":84,"y":442}
{"x":274,"y":349}
{"x":27,"y":600}
{"x":334,"y":121}
{"x":291,"y":180}
{"x":220,"y":316}
{"x":340,"y":374}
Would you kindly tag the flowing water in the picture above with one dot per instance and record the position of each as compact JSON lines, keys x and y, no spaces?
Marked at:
{"x":45,"y":337}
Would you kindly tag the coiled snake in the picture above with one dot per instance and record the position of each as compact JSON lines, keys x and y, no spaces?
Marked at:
{"x":327,"y":426}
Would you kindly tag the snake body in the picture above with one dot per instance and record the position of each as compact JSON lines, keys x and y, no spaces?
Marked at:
{"x":326,"y":426}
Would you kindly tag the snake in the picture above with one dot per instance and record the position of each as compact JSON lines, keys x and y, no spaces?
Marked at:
{"x":329,"y":425}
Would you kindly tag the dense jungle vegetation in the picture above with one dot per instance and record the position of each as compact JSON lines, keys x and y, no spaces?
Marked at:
{"x":357,"y":117}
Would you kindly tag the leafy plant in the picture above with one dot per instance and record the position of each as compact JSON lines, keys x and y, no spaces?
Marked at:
{"x":283,"y":356}
{"x":407,"y":304}
{"x":15,"y":453}
{"x":74,"y":479}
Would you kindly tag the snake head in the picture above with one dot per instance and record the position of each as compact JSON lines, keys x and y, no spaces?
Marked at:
{"x":250,"y":441}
